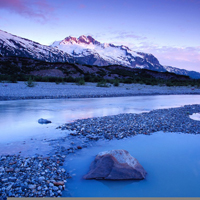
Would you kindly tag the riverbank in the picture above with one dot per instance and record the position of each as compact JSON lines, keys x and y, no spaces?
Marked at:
{"x":44,"y":176}
{"x":36,"y":174}
{"x":42,"y":90}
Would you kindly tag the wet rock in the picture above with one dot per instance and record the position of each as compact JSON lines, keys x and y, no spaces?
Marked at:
{"x":115,"y":165}
{"x":43,"y":121}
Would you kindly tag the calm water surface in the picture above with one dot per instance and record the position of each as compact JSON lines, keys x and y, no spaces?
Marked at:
{"x":172,"y":160}
{"x":18,"y":119}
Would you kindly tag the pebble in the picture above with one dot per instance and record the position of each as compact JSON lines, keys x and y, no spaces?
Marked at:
{"x":125,"y":125}
{"x":26,"y":179}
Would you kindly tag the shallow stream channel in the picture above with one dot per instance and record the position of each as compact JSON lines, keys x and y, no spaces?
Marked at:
{"x":172,"y":160}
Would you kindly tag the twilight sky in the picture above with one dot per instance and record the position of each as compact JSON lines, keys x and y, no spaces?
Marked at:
{"x":169,"y":29}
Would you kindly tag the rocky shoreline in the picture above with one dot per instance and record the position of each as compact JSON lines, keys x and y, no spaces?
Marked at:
{"x":20,"y":91}
{"x":125,"y":125}
{"x":35,"y":176}
{"x":45,"y":176}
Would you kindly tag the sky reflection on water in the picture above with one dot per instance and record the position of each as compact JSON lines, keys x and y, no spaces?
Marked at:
{"x":172,"y":160}
{"x":18,"y":119}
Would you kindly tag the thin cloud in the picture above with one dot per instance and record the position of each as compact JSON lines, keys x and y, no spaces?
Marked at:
{"x":35,"y":9}
{"x":181,"y":57}
{"x":188,"y":54}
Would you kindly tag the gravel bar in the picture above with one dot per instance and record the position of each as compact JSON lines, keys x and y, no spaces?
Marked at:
{"x":125,"y":125}
{"x":35,"y":176}
{"x":17,"y":91}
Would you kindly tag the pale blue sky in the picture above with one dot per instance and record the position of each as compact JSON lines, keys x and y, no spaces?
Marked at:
{"x":169,"y":29}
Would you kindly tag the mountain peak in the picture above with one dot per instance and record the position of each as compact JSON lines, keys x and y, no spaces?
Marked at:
{"x":86,"y":39}
{"x":81,"y":40}
{"x":69,"y":39}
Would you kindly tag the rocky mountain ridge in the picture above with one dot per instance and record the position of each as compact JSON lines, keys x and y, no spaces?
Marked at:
{"x":84,"y":50}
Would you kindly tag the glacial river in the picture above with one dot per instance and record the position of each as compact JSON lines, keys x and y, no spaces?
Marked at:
{"x":172,"y":160}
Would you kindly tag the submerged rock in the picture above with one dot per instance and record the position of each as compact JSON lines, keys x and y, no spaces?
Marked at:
{"x":115,"y":165}
{"x":43,"y":121}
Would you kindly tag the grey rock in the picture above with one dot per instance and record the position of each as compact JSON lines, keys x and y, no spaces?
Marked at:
{"x":31,"y":195}
{"x":41,"y":178}
{"x":59,"y":192}
{"x":43,"y":121}
{"x":55,"y":188}
{"x":39,"y":188}
{"x":2,"y":158}
{"x":51,"y":194}
{"x":9,"y":187}
{"x":17,"y":170}
{"x":32,"y":186}
{"x":2,"y":169}
{"x":115,"y":165}
{"x":4,"y":179}
{"x":51,"y":184}
{"x":12,"y":179}
{"x":60,"y":187}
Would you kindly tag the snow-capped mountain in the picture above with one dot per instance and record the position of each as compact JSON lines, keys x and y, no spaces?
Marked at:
{"x":11,"y":45}
{"x":83,"y":50}
{"x":87,"y":50}
{"x":192,"y":74}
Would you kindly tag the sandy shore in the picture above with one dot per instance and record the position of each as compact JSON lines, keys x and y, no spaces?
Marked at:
{"x":14,"y":91}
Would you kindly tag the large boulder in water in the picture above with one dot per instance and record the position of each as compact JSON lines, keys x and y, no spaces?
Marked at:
{"x":115,"y":165}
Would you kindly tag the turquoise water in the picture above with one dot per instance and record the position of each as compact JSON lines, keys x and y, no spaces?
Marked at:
{"x":172,"y":161}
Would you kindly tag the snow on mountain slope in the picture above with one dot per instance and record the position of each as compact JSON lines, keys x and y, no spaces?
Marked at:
{"x":109,"y":54}
{"x":11,"y":45}
{"x":192,"y":74}
{"x":83,"y":50}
